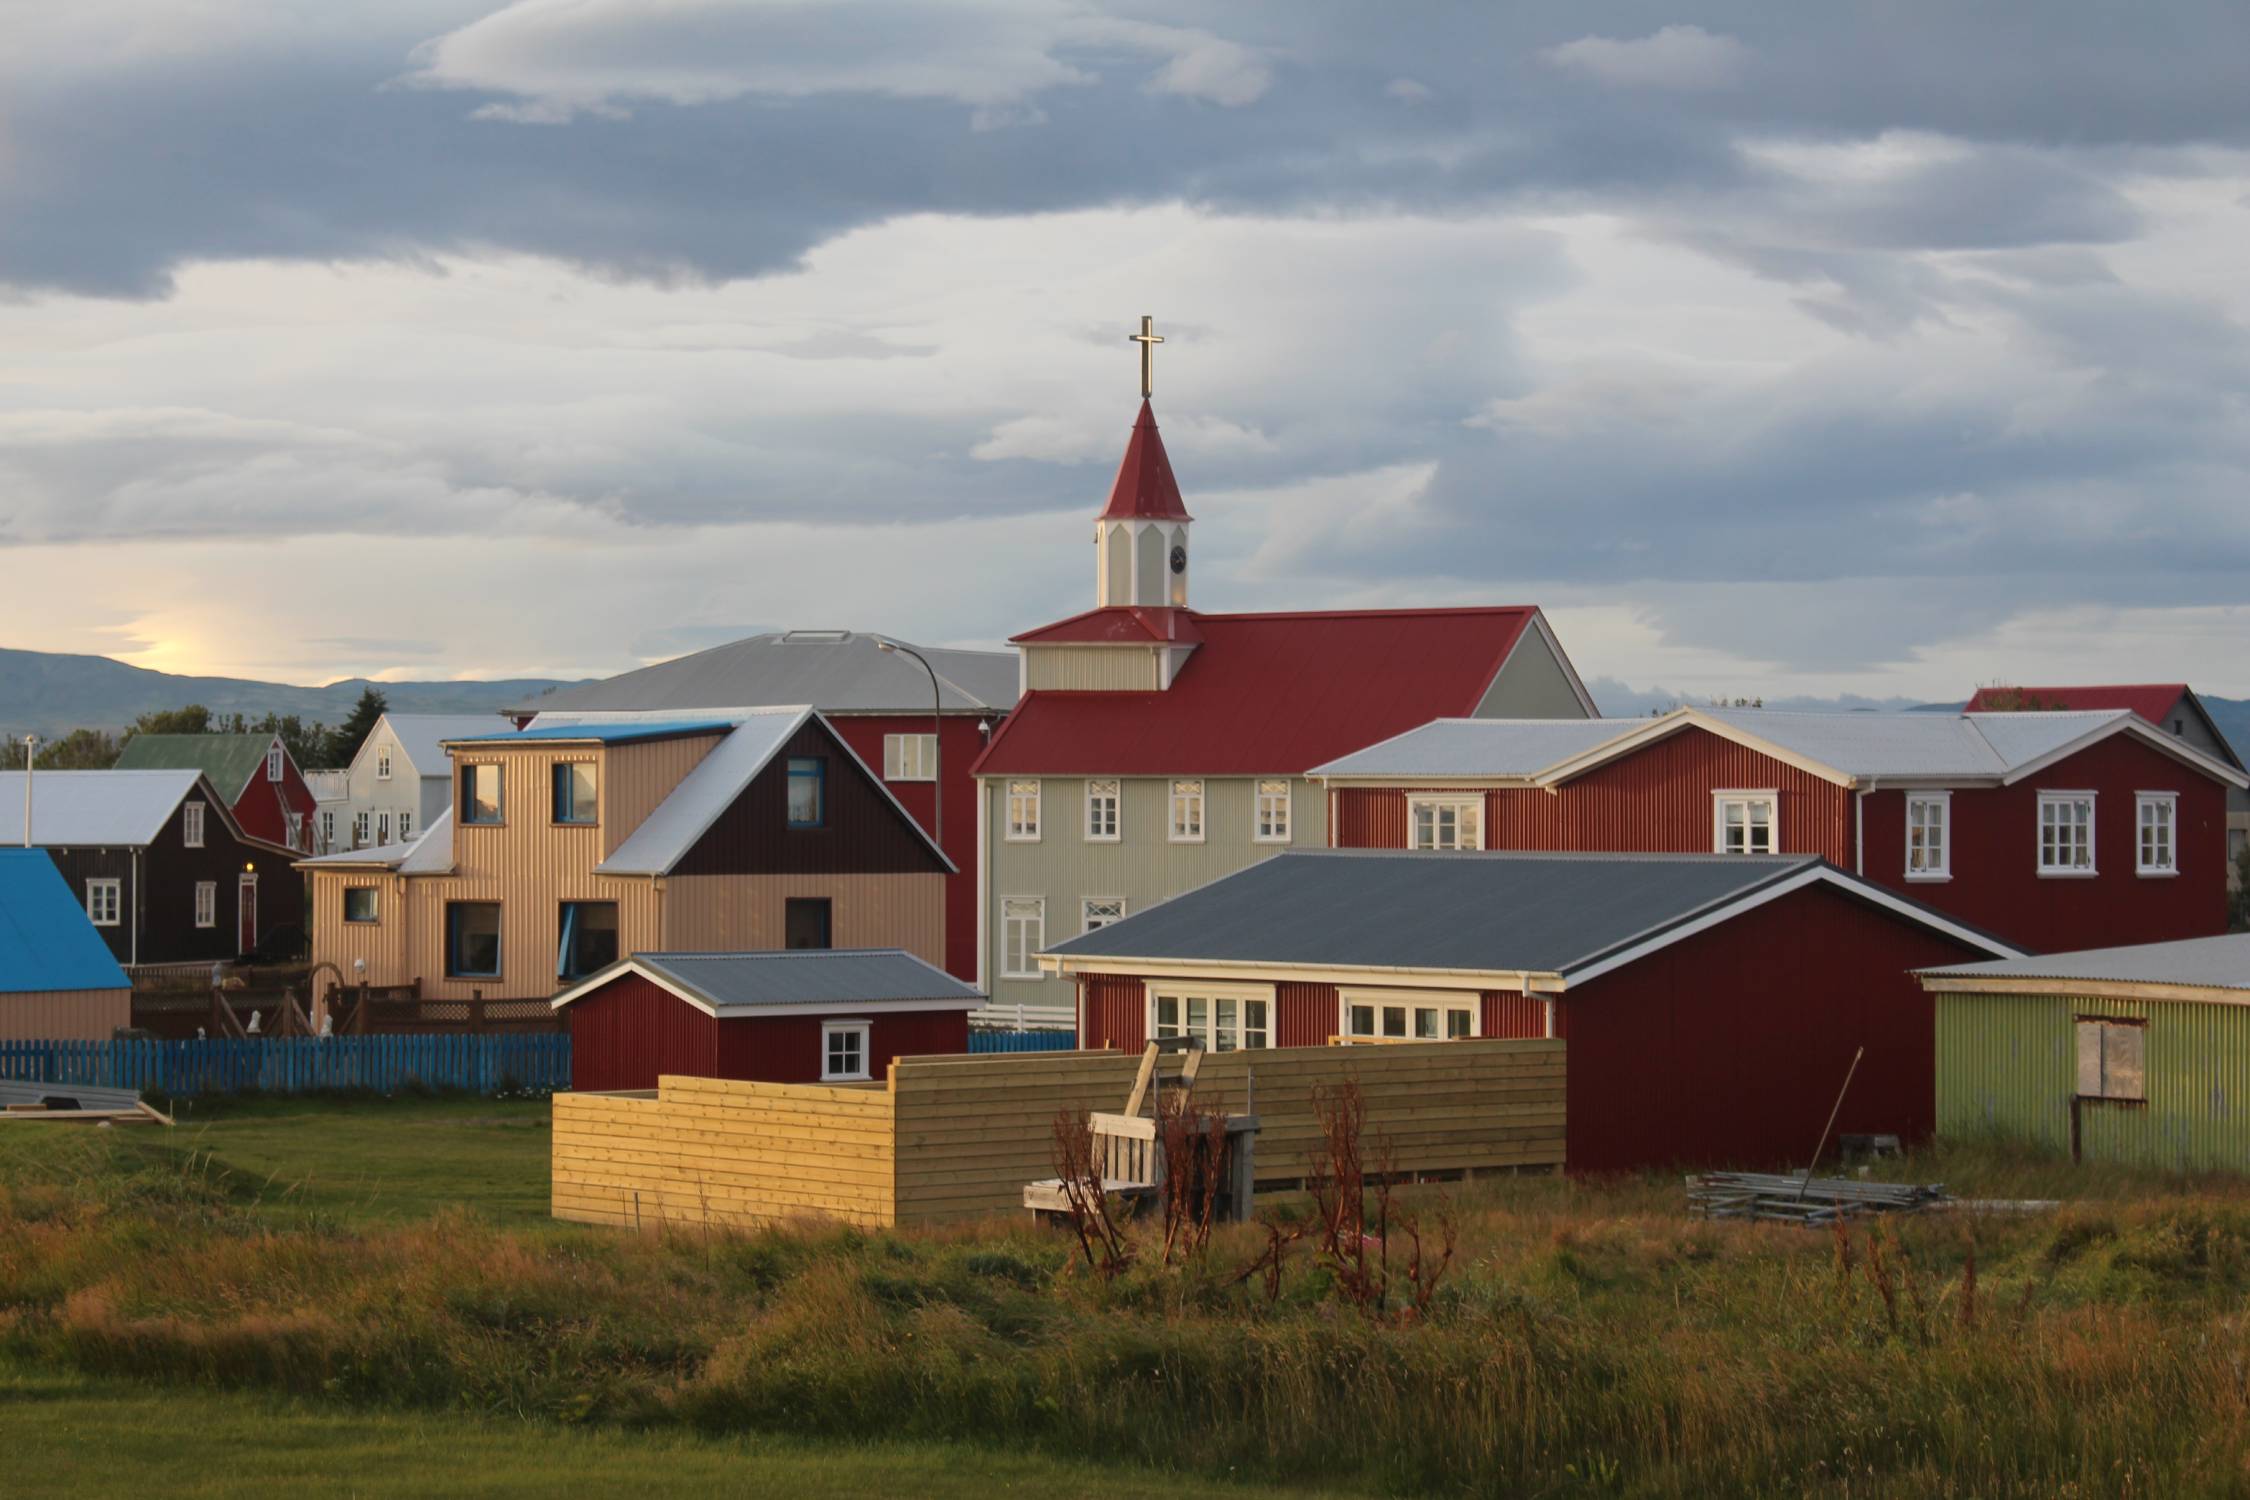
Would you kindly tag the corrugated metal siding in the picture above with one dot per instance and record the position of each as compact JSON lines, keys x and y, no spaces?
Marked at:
{"x":787,"y":1049}
{"x":629,"y":1031}
{"x":64,"y":1015}
{"x":1305,"y":1015}
{"x":1511,"y":1013}
{"x":739,"y":913}
{"x":864,"y":833}
{"x":1114,"y":1013}
{"x":382,"y":943}
{"x":635,"y":778}
{"x":1099,"y":669}
{"x":960,"y":742}
{"x":2007,"y":1065}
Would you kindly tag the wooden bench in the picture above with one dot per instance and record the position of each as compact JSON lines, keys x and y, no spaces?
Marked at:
{"x":1131,"y":1153}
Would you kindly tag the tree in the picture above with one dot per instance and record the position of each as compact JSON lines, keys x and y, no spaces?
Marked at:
{"x":309,"y":745}
{"x":1999,"y":699}
{"x":353,"y":732}
{"x":193,"y":719}
{"x":79,"y":750}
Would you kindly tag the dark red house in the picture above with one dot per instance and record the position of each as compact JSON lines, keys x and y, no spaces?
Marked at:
{"x":1712,"y":1004}
{"x":255,"y":773}
{"x":803,"y":1016}
{"x":2050,"y":830}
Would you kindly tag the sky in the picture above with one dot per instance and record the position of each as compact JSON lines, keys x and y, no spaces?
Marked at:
{"x":1871,"y":350}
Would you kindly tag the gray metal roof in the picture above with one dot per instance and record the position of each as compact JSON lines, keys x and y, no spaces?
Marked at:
{"x":422,"y":736}
{"x":1478,"y":912}
{"x":428,"y":853}
{"x":1479,"y":747}
{"x":744,"y":983}
{"x":94,"y":809}
{"x":2212,"y":963}
{"x":836,"y":671}
{"x":710,"y":789}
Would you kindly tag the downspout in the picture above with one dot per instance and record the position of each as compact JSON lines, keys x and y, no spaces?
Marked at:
{"x":1859,"y":827}
{"x":136,"y":940}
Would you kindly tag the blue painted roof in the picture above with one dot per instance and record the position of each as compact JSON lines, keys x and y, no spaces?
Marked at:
{"x":46,"y":943}
{"x":607,"y":734}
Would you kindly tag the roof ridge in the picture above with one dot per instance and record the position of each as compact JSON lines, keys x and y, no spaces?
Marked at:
{"x":1383,"y":610}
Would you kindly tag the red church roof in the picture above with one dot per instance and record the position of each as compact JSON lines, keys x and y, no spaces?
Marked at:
{"x":2153,"y":701}
{"x":1145,"y":489}
{"x":1272,"y":694}
{"x":1120,"y":624}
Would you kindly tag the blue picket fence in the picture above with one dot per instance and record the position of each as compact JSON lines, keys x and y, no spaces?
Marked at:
{"x":296,"y":1065}
{"x":1022,"y":1041}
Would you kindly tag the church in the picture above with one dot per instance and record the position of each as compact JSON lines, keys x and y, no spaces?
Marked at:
{"x":1157,"y":747}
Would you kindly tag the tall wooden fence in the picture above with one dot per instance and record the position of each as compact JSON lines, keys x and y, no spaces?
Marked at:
{"x":292,"y":1065}
{"x":953,"y":1137}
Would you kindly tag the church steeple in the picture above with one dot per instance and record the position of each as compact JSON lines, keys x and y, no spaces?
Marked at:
{"x":1140,"y":538}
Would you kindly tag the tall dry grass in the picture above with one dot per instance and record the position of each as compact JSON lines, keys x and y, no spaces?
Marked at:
{"x":1589,"y":1340}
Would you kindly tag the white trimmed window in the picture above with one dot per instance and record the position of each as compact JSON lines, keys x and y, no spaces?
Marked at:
{"x":1100,"y":911}
{"x":2112,"y":1057}
{"x":1187,"y":812}
{"x":273,"y":763}
{"x":1104,"y":799}
{"x":206,"y":903}
{"x":1408,"y":1016}
{"x":382,"y":763}
{"x":1445,"y":822}
{"x":910,"y":757}
{"x":382,"y":828}
{"x":1023,"y":812}
{"x":103,"y":902}
{"x":843,"y":1051}
{"x":2066,"y":833}
{"x":2156,"y":819}
{"x":191,"y":825}
{"x":361,"y":823}
{"x":327,"y":831}
{"x":405,"y":826}
{"x":1228,"y":1018}
{"x":1272,"y":817}
{"x":1746,"y":822}
{"x":1929,"y":836}
{"x":1023,"y":932}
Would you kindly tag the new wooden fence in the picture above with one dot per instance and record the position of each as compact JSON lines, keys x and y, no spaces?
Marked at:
{"x":954,"y":1137}
{"x":291,"y":1065}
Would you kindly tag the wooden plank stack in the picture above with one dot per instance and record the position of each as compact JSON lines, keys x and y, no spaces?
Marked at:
{"x":1804,"y":1199}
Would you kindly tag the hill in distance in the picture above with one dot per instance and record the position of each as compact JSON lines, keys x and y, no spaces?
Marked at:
{"x":49,"y":694}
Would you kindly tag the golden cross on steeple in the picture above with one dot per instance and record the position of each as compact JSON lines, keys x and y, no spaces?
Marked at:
{"x":1148,"y":338}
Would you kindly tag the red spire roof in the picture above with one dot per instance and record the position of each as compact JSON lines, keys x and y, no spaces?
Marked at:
{"x":1145,"y":489}
{"x":2153,"y":701}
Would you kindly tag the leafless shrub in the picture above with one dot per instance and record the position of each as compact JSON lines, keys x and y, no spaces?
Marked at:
{"x":1078,"y":1163}
{"x":1193,"y":1140}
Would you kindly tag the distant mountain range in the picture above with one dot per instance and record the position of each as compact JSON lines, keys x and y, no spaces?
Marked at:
{"x":50,"y":694}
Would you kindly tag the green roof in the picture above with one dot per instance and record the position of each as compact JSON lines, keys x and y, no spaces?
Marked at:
{"x":230,"y":760}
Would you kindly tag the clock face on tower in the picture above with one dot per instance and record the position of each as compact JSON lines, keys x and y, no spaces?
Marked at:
{"x":1179,"y":559}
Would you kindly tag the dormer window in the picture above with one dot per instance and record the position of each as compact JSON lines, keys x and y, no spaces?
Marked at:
{"x":273,"y":762}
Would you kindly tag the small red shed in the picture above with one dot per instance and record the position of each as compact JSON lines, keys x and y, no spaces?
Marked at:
{"x":808,"y":1015}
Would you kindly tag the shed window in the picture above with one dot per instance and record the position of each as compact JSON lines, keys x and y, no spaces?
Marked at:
{"x":910,"y":757}
{"x":1272,"y":814}
{"x":2111,"y":1058}
{"x":472,"y":939}
{"x":1929,"y":837}
{"x":807,"y":922}
{"x":574,"y":792}
{"x":1023,"y":932}
{"x":103,"y":901}
{"x":808,"y":792}
{"x":1445,"y":822}
{"x":361,"y":904}
{"x":191,"y":825}
{"x":1226,"y":1020}
{"x":2066,"y":833}
{"x":1187,"y":812}
{"x":207,"y":903}
{"x":1745,"y":822}
{"x":273,"y":763}
{"x":1405,"y":1016}
{"x":843,"y":1051}
{"x":589,"y":938}
{"x":1023,"y":811}
{"x":1103,"y":799}
{"x":480,"y":793}
{"x":2156,"y":819}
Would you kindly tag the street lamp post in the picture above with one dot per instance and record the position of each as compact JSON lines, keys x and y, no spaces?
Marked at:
{"x":937,"y":732}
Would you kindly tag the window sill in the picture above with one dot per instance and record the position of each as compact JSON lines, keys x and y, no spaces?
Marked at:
{"x":1925,"y":878}
{"x":1279,"y":843}
{"x":473,"y":823}
{"x":1095,"y":838}
{"x":2069,"y":874}
{"x":1179,"y":840}
{"x":847,"y":1078}
{"x":2156,"y":874}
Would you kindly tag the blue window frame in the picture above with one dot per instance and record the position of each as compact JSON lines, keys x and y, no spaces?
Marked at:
{"x":472,"y":939}
{"x":808,"y":792}
{"x":589,"y":938}
{"x":480,"y":794}
{"x":574,"y":792}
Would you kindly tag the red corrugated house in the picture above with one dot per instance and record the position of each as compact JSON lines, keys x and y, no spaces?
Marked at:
{"x":1712,"y":1006}
{"x":2050,"y":830}
{"x":834,"y":1016}
{"x":1158,"y":747}
{"x":265,"y":791}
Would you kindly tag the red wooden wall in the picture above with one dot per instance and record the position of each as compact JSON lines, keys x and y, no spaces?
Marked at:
{"x":960,"y":742}
{"x":262,"y":805}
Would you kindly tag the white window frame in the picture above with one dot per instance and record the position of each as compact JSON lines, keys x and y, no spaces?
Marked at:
{"x":2169,"y":804}
{"x":2114,"y":1070}
{"x":1262,"y":796}
{"x":327,"y":830}
{"x":910,"y":757}
{"x":273,"y":762}
{"x":865,"y":1032}
{"x":1468,"y":821}
{"x":382,"y":762}
{"x":2039,"y":836}
{"x":382,"y":829}
{"x":363,"y":828}
{"x":1087,"y":921}
{"x":112,"y":888}
{"x":1746,"y":798}
{"x":191,"y":825}
{"x":1188,"y":796}
{"x":405,"y":825}
{"x":1184,"y":993}
{"x":1943,"y":868}
{"x":1031,"y":917}
{"x":207,"y":903}
{"x":1442,"y":1002}
{"x":1022,"y":809}
{"x":1114,"y":797}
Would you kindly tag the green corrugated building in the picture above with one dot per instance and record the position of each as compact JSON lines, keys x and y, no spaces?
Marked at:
{"x":2136,"y":1055}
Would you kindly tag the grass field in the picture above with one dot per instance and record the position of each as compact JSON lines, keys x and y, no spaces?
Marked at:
{"x":385,"y":1270}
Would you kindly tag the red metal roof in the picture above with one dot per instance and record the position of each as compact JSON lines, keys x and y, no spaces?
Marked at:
{"x":2153,"y":701}
{"x":1120,"y":624}
{"x":1145,"y":489}
{"x":1268,"y":693}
